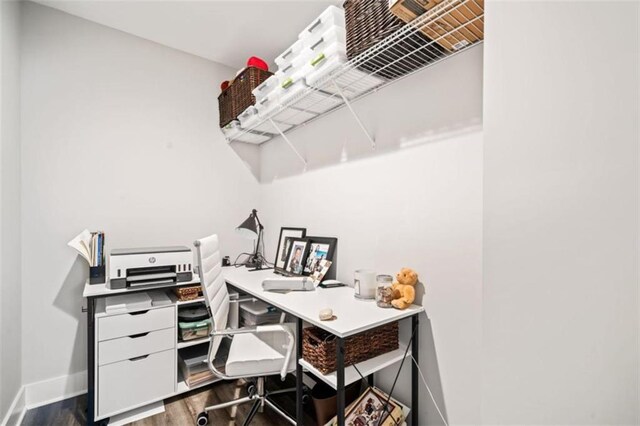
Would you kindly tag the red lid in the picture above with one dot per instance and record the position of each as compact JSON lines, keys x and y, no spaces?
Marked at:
{"x":254,"y":61}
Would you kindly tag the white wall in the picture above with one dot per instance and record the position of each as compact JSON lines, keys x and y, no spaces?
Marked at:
{"x":419,"y":205}
{"x":118,"y":134}
{"x":10,"y":280}
{"x":560,"y":302}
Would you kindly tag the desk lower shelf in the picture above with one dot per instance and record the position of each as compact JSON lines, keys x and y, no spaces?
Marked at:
{"x":367,"y":367}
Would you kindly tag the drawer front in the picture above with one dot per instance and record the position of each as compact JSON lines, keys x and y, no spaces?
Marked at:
{"x":124,"y":348}
{"x":126,"y":384}
{"x":121,"y":325}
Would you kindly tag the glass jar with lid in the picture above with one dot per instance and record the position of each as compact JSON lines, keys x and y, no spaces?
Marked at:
{"x":384,"y":292}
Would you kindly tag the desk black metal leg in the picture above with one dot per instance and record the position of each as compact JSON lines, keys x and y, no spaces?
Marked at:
{"x":299,"y":373}
{"x":91,"y":335}
{"x":415,"y":389}
{"x":370,"y":380}
{"x":340,"y":380}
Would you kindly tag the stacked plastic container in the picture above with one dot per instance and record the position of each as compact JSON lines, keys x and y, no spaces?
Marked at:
{"x":321,"y":48}
{"x":324,"y":38}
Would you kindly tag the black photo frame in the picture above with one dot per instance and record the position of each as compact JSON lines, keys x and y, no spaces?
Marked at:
{"x":297,"y":256}
{"x":320,"y":248}
{"x":282,"y":252}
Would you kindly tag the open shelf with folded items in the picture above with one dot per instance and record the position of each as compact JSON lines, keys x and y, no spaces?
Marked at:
{"x":443,"y":31}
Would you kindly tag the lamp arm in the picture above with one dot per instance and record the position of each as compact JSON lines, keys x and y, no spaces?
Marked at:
{"x":255,"y":213}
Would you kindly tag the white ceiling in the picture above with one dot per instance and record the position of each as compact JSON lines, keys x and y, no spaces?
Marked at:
{"x":228,"y":32}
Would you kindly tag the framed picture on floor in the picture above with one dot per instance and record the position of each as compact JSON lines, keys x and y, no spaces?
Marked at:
{"x":298,"y":251}
{"x":320,"y":248}
{"x":283,"y":249}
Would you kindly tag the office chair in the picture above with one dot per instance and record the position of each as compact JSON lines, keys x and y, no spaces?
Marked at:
{"x":254,"y":352}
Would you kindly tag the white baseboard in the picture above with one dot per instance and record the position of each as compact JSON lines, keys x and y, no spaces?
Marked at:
{"x":16,"y":411}
{"x":53,"y":390}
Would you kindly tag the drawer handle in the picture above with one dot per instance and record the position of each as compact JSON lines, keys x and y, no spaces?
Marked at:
{"x":139,"y":312}
{"x":135,"y":336}
{"x":138,"y":358}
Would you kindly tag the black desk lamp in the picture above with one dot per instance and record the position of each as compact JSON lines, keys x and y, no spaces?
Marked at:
{"x":251,"y":229}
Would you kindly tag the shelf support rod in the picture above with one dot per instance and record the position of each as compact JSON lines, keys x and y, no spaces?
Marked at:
{"x":355,"y":116}
{"x":289,"y":142}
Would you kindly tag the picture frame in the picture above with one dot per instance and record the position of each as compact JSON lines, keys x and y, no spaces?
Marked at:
{"x":298,"y":251}
{"x":368,"y":410}
{"x":320,"y":248}
{"x":282,"y":251}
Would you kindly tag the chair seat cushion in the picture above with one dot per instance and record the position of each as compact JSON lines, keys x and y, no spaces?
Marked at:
{"x":257,"y":354}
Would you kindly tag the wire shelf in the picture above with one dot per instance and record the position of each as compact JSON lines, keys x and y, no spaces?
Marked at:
{"x":451,"y":27}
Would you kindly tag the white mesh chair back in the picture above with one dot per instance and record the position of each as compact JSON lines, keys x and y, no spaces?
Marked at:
{"x":214,"y":288}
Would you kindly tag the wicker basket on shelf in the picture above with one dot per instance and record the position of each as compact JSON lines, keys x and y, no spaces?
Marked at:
{"x":368,"y":23}
{"x":319,"y":346}
{"x":238,"y":97}
{"x":188,"y":293}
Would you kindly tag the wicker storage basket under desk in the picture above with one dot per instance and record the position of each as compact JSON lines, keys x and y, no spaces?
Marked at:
{"x":368,"y":23}
{"x":319,"y":346}
{"x":238,"y":97}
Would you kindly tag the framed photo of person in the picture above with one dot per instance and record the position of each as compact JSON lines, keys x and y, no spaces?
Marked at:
{"x":298,"y":251}
{"x":320,"y":248}
{"x":283,"y":248}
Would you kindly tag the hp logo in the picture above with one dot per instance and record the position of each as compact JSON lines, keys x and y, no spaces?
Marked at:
{"x":152,"y":259}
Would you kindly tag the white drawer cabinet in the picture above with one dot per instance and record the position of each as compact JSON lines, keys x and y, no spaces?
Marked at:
{"x":133,"y":382}
{"x":127,"y":324}
{"x":124,"y":348}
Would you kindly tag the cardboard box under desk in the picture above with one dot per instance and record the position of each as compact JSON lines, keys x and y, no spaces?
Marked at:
{"x":457,"y":16}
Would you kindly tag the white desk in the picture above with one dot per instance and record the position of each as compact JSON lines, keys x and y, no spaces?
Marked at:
{"x":353,"y":316}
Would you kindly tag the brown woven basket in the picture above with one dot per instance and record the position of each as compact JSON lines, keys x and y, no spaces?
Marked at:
{"x":188,"y":293}
{"x":225,"y":105}
{"x":319,"y":346}
{"x":238,"y":97}
{"x":368,"y":23}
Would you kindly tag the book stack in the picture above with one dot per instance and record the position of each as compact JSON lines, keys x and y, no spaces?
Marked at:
{"x":193,"y":365}
{"x":90,"y":245}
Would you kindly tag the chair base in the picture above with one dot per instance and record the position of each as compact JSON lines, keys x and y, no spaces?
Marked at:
{"x":259,"y":396}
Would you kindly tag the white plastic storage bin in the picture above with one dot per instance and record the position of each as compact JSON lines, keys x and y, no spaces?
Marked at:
{"x":265,"y":88}
{"x":248,"y":116}
{"x":334,"y":36}
{"x":332,"y":15}
{"x":292,"y":87}
{"x":231,"y":129}
{"x":286,"y":57}
{"x":267,"y":105}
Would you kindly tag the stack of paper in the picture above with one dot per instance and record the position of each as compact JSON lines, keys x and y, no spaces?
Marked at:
{"x":128,"y":302}
{"x":159,"y":298}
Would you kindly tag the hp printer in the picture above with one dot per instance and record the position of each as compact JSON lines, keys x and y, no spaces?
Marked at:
{"x":156,"y":266}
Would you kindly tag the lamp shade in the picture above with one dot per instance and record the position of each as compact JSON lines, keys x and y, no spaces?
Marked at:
{"x":249,"y":228}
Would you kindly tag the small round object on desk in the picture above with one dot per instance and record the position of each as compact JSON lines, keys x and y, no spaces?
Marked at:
{"x":326,"y":314}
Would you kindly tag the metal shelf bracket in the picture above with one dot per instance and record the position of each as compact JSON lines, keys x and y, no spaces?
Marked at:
{"x":289,"y":143}
{"x":355,"y":116}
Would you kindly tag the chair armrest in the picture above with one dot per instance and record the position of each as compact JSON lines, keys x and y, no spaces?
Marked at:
{"x":243,"y":299}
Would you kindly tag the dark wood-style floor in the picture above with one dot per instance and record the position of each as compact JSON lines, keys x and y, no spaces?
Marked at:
{"x":180,"y":410}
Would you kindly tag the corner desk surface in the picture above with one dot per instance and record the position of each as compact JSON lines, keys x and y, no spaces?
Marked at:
{"x":353,"y":315}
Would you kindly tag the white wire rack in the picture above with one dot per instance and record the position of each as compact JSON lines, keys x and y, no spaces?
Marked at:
{"x":442,"y":32}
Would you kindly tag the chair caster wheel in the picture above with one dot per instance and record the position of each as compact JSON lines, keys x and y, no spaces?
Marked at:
{"x":251,"y":389}
{"x":305,"y":399}
{"x":203,"y":419}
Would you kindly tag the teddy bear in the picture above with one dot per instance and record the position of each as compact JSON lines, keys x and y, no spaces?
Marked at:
{"x":404,"y":292}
